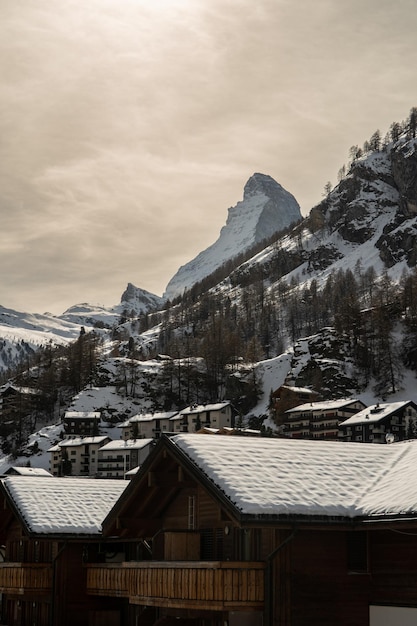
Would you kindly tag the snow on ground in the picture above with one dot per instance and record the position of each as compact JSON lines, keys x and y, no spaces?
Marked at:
{"x":272,"y":373}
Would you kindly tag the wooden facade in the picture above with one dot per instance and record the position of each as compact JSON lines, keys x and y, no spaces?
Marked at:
{"x":176,"y":550}
{"x":53,"y":590}
{"x":43,"y":578}
{"x":375,"y":424}
{"x":222,"y":585}
{"x":208,"y":567}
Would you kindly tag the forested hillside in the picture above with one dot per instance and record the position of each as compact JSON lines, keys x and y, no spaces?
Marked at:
{"x":345,"y":277}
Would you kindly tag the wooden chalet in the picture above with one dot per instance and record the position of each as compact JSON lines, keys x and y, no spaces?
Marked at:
{"x":82,"y":423}
{"x":15,"y":402}
{"x":382,"y":422}
{"x":287,"y":397}
{"x":259,"y":531}
{"x":49,"y":528}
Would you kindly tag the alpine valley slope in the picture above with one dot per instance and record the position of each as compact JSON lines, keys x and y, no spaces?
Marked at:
{"x":369,"y":220}
{"x":266,"y":208}
{"x":21,"y":334}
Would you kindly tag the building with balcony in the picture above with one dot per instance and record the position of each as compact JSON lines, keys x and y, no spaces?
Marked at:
{"x":218,"y":530}
{"x":77,"y":456}
{"x":382,"y":423}
{"x":189,"y":420}
{"x":148,"y":425}
{"x":49,"y":528}
{"x":287,"y":397}
{"x":320,"y":420}
{"x":118,"y":457}
{"x":82,"y":423}
{"x":196,"y":416}
{"x":261,"y":531}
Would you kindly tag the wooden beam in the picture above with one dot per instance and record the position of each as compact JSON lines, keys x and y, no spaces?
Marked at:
{"x":198,"y":605}
{"x":152,"y":525}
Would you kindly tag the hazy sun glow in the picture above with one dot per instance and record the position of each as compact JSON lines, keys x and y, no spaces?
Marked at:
{"x":130,"y":126}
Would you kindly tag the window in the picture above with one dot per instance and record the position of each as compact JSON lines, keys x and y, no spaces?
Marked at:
{"x":191,"y":512}
{"x":212,"y":544}
{"x":357,"y":552}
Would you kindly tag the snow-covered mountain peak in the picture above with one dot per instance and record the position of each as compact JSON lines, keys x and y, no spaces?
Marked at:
{"x":134,"y":301}
{"x":266,"y":208}
{"x":261,"y":183}
{"x":140,"y":300}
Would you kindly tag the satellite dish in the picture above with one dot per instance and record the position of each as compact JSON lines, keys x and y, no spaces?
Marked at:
{"x":389,"y":438}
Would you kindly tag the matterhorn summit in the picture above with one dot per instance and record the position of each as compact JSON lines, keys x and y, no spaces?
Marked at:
{"x":266,"y":208}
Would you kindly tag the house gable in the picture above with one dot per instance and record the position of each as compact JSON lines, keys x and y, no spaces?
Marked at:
{"x":166,"y":493}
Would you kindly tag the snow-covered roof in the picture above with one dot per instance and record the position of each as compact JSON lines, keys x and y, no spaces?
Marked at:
{"x":282,"y":477}
{"x":375,"y":413}
{"x":22,"y":390}
{"x":325,"y":405}
{"x":81,"y":441}
{"x":62,"y":506}
{"x":29,"y":471}
{"x":203,"y":408}
{"x":176,"y":418}
{"x":210,"y":431}
{"x":148,"y":417}
{"x":82,"y":414}
{"x":128,"y":444}
{"x":133,"y":471}
{"x":300,"y":389}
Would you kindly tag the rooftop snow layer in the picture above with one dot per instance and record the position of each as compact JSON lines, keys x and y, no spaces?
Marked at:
{"x":263,"y":476}
{"x":128,"y":444}
{"x":325,"y":405}
{"x":374,"y":413}
{"x":68,"y":506}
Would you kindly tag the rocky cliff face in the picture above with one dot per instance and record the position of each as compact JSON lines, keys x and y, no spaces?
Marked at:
{"x":134,"y":302}
{"x":377,"y":200}
{"x":139,"y":300}
{"x":266,"y":208}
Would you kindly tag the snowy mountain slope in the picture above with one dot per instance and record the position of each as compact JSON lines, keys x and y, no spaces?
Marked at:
{"x":23,"y":333}
{"x":266,"y":208}
{"x":134,"y":302}
{"x":364,"y":221}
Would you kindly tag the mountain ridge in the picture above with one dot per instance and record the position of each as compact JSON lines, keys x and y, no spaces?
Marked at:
{"x":266,"y":208}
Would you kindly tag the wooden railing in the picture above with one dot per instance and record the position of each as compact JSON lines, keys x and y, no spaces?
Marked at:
{"x":23,"y":578}
{"x":219,"y":585}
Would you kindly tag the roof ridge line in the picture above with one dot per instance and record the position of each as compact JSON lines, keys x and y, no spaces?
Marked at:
{"x":388,"y":468}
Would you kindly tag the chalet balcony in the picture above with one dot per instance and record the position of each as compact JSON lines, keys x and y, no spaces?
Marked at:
{"x":23,"y":578}
{"x":225,"y":585}
{"x":379,"y":430}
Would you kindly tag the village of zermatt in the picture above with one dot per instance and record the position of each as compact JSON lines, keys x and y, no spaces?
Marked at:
{"x":270,"y":391}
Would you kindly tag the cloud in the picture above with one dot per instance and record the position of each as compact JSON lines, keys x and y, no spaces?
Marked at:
{"x":128,"y":127}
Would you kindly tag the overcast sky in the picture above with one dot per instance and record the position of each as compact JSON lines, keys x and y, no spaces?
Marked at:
{"x":128,"y":127}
